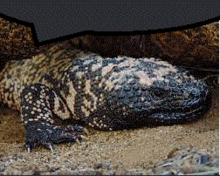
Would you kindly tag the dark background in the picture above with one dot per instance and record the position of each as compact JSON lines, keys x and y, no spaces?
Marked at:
{"x":54,"y":19}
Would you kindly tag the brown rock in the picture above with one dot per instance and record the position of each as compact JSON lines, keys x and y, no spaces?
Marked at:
{"x":16,"y":42}
{"x":197,"y":47}
{"x":191,"y":47}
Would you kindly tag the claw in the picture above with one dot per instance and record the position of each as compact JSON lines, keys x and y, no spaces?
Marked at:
{"x":29,"y":150}
{"x":83,"y":137}
{"x":85,"y":131}
{"x":77,"y":140}
{"x":28,"y":147}
{"x":51,"y":148}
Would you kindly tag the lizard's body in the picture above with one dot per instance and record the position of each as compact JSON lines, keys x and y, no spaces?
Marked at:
{"x":105,"y":93}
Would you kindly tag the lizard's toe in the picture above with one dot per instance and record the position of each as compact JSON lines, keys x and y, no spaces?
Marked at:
{"x":47,"y":136}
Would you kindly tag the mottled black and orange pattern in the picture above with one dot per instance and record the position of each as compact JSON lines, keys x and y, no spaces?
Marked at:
{"x":104,"y":93}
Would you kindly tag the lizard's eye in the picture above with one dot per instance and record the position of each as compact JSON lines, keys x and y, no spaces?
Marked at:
{"x":160,"y":93}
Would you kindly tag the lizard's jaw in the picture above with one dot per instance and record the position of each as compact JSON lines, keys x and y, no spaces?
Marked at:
{"x":188,"y":110}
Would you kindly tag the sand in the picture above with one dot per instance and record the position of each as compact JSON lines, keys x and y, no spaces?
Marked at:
{"x":137,"y":151}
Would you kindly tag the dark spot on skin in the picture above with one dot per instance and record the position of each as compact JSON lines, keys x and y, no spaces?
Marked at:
{"x":139,"y":106}
{"x":127,"y":87}
{"x":121,"y":95}
{"x":159,"y":92}
{"x":172,"y":83}
{"x":149,"y":98}
{"x":128,"y":76}
{"x":143,"y":88}
{"x":123,"y":81}
{"x":138,"y":93}
{"x":132,"y":82}
{"x":136,"y":87}
{"x":151,"y":65}
{"x":150,"y":74}
{"x":130,"y":94}
{"x":135,"y":100}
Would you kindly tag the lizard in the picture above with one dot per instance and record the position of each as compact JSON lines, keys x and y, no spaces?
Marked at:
{"x":64,"y":90}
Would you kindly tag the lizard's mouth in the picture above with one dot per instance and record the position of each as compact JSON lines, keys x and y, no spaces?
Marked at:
{"x":181,"y":111}
{"x":190,"y":110}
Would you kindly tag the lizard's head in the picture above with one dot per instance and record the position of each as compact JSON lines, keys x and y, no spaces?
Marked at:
{"x":156,"y":92}
{"x":177,"y":99}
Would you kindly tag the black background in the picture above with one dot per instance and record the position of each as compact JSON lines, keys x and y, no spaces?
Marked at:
{"x":55,"y":19}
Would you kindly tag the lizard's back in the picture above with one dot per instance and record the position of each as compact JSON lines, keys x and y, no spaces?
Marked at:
{"x":105,"y":93}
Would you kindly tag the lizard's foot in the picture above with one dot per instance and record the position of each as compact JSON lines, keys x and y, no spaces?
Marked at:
{"x":39,"y":108}
{"x":47,"y":135}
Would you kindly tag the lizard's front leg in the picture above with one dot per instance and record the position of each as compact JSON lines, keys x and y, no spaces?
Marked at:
{"x":38,"y":106}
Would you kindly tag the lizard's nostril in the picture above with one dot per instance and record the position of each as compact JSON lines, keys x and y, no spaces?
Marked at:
{"x":195,"y":92}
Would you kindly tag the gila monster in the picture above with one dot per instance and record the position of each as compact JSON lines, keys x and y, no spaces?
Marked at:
{"x":62,"y":90}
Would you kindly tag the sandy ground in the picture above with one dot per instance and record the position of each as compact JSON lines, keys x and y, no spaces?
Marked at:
{"x":121,"y":151}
